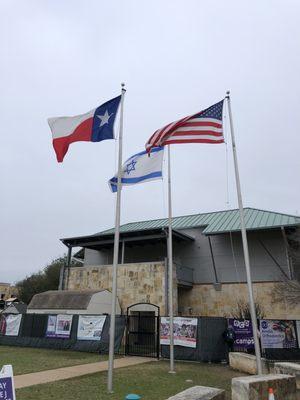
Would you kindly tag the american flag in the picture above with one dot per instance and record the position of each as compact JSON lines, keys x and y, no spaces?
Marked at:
{"x":203,"y":127}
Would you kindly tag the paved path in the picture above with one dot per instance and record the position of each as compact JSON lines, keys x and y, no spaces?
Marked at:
{"x":53,"y":375}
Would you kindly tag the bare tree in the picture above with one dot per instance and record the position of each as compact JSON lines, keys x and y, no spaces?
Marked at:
{"x":242,"y":310}
{"x":289,"y":290}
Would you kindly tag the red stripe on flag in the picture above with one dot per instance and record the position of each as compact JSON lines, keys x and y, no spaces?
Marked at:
{"x":83,"y":133}
{"x":197,"y":123}
{"x":196,"y":133}
{"x":174,"y":141}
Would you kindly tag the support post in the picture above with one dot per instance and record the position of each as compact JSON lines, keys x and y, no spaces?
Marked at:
{"x":170,"y":266}
{"x":65,"y":270}
{"x":123,"y":252}
{"x":61,"y":277}
{"x":245,"y":243}
{"x":116,"y":255}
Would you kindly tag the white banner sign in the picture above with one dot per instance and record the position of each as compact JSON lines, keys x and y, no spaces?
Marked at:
{"x":278,"y":334}
{"x":90,"y":327}
{"x":63,"y":325}
{"x":51,"y":326}
{"x":7,"y":389}
{"x":59,"y":326}
{"x":13,"y":324}
{"x":185,"y":331}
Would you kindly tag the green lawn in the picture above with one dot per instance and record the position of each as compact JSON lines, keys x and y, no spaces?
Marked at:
{"x":26,"y":359}
{"x":152,"y":381}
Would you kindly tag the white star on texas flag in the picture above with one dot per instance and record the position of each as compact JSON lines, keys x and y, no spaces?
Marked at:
{"x":104,"y":118}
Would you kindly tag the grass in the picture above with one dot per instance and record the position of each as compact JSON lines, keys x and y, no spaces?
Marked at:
{"x":26,"y":359}
{"x":152,"y":381}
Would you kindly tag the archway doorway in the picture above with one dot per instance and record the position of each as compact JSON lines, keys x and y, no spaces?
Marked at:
{"x":142,"y":333}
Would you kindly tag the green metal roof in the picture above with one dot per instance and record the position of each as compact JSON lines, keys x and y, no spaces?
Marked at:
{"x":216,"y":222}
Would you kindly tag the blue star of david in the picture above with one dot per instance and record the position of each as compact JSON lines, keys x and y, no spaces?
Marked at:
{"x":130,"y":167}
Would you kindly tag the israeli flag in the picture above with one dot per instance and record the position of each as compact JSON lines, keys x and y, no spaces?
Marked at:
{"x":142,"y":167}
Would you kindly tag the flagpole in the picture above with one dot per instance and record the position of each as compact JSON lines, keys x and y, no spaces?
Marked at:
{"x":170,"y":266}
{"x":245,"y":243}
{"x":116,"y":254}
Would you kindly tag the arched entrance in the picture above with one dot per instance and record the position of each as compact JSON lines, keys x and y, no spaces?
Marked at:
{"x":142,"y":333}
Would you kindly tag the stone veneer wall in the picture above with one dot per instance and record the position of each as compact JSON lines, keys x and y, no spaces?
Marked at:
{"x":144,"y":282}
{"x":8,"y":290}
{"x":204,"y":300}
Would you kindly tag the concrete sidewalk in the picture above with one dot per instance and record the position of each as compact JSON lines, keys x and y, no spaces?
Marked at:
{"x":53,"y":375}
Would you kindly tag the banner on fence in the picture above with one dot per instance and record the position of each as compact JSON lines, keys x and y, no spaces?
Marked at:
{"x":51,"y":326}
{"x":90,"y":327}
{"x":59,"y":326}
{"x":10,"y":324}
{"x":243,"y":334}
{"x":298,"y":332}
{"x":2,"y":324}
{"x":278,"y":334}
{"x":185,"y":331}
{"x":7,"y":389}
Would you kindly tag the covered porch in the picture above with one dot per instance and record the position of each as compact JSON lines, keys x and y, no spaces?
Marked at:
{"x":142,"y":264}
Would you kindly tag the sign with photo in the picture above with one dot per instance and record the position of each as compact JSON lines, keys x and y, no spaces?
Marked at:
{"x":243,"y":334}
{"x":2,"y":324}
{"x":63,"y":325}
{"x":51,"y":326}
{"x":59,"y":326}
{"x":12,"y":324}
{"x":185,"y":331}
{"x":278,"y":334}
{"x":7,"y":389}
{"x":90,"y":327}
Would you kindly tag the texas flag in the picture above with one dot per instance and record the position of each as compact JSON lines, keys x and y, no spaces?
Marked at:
{"x":94,"y":126}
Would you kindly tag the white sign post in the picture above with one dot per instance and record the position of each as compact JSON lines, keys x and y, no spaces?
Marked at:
{"x":7,"y":388}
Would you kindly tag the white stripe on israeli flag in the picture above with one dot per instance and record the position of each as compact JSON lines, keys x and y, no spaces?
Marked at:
{"x":142,"y":167}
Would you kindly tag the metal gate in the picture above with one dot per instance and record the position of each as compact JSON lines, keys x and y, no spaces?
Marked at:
{"x":142,"y":334}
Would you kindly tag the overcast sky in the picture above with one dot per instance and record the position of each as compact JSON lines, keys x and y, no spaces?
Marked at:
{"x":62,"y":57}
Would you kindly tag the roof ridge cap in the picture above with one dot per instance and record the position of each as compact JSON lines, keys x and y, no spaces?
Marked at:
{"x":274,"y":212}
{"x":161,"y":219}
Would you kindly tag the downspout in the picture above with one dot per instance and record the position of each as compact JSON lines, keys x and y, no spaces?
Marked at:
{"x":286,"y":245}
{"x":217,"y":284}
{"x":273,"y":258}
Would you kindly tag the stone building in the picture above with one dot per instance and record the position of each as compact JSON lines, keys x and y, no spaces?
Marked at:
{"x":209,"y":271}
{"x":7,"y":290}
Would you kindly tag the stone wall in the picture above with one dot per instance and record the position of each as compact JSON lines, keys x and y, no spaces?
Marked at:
{"x":142,"y":282}
{"x":7,"y":290}
{"x":146,"y":282}
{"x":205,"y":300}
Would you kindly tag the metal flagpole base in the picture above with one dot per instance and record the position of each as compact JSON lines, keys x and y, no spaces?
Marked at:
{"x":172,"y":372}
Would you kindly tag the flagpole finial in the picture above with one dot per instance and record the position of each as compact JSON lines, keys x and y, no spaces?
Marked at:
{"x":123,"y":87}
{"x":227,"y":94}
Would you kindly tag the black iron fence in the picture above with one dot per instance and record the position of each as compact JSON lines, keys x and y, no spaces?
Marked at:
{"x":142,"y":335}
